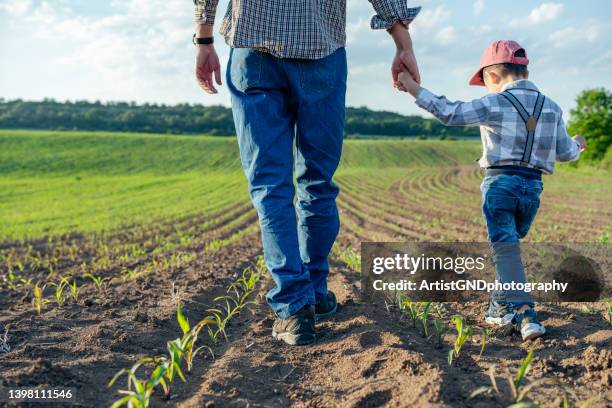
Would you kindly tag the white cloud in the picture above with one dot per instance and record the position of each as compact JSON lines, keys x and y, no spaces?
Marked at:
{"x":544,"y":13}
{"x":358,"y":31}
{"x":428,"y":19}
{"x":446,"y":36}
{"x":478,"y":7}
{"x":357,"y":6}
{"x":16,"y":7}
{"x":132,"y":52}
{"x":577,"y":37}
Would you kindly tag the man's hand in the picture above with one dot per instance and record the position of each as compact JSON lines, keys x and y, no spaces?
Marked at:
{"x":207,"y":65}
{"x":408,"y":84}
{"x":207,"y":61}
{"x":405,"y":59}
{"x":581,"y":141}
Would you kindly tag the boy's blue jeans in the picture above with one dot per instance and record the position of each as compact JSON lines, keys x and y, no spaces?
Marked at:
{"x":281,"y":106}
{"x":510,"y":204}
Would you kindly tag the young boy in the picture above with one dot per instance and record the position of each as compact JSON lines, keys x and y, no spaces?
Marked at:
{"x":522,"y":134}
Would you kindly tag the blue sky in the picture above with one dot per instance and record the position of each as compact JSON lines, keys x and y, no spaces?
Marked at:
{"x":140,"y":50}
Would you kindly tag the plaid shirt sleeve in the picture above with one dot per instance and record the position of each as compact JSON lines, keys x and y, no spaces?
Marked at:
{"x":388,"y":12}
{"x":567,"y":148}
{"x":458,"y":113}
{"x":205,"y":11}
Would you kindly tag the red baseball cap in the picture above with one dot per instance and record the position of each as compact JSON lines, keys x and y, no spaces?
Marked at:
{"x":500,"y":52}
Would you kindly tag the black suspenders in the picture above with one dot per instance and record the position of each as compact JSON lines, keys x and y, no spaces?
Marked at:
{"x":531,"y":121}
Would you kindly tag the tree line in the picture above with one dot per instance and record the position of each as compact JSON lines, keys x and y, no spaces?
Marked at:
{"x":195,"y":119}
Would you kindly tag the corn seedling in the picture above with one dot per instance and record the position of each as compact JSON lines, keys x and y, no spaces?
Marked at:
{"x":351,"y":258}
{"x":74,"y":290}
{"x":423,"y":315}
{"x":137,"y":398}
{"x":261,"y":265}
{"x":439,"y":332}
{"x":220,"y":322}
{"x":98,"y":281}
{"x":518,"y":392}
{"x":569,"y":395}
{"x":59,"y":292}
{"x":190,"y":336}
{"x":464,"y":332}
{"x":214,"y":245}
{"x":139,"y":391}
{"x":38,"y":297}
{"x":25,"y":281}
{"x":233,"y":305}
{"x":129,"y":274}
{"x":10,"y":279}
{"x":523,"y":369}
{"x":588,"y":309}
{"x":347,"y":255}
{"x":610,"y":312}
{"x":246,"y":282}
{"x":486,"y":335}
{"x":410,"y":309}
{"x":175,"y":351}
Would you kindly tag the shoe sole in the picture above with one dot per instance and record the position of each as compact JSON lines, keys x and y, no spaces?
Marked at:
{"x":295,"y":339}
{"x":532,"y":331}
{"x":500,"y":321}
{"x":327,"y":315}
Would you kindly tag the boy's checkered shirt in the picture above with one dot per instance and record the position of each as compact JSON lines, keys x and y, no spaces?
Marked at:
{"x":308,"y":29}
{"x":502,"y":130}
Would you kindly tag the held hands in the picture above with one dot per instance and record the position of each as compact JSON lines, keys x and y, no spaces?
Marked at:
{"x":405,"y":59}
{"x":207,"y":64}
{"x":407,"y":83}
{"x":581,"y":141}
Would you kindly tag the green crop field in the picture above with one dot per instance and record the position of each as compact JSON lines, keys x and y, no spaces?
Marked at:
{"x":57,"y":183}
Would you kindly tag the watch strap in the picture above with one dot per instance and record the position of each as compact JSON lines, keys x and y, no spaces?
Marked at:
{"x":203,"y":40}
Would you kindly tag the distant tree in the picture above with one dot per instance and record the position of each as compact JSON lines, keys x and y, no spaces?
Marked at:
{"x":592,"y":118}
{"x":193,"y":119}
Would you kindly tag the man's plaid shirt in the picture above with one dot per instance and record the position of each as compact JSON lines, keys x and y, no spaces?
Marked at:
{"x":309,"y":29}
{"x":502,"y":130}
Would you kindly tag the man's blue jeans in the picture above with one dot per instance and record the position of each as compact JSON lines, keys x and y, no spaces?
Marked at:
{"x":510,"y":204}
{"x":289,"y":116}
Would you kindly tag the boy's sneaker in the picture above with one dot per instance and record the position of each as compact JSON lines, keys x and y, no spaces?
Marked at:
{"x":298,"y":329}
{"x":529,"y":325}
{"x":326,"y":306}
{"x":499,"y":314}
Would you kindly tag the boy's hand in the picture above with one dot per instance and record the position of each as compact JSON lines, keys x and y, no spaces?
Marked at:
{"x":407,"y":82}
{"x":581,"y":141}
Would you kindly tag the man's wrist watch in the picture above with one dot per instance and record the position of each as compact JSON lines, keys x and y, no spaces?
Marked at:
{"x":202,"y":40}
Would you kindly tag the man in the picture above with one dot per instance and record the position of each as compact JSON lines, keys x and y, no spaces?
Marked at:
{"x":287,"y":78}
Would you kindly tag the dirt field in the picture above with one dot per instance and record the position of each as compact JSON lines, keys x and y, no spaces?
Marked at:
{"x":366,"y":356}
